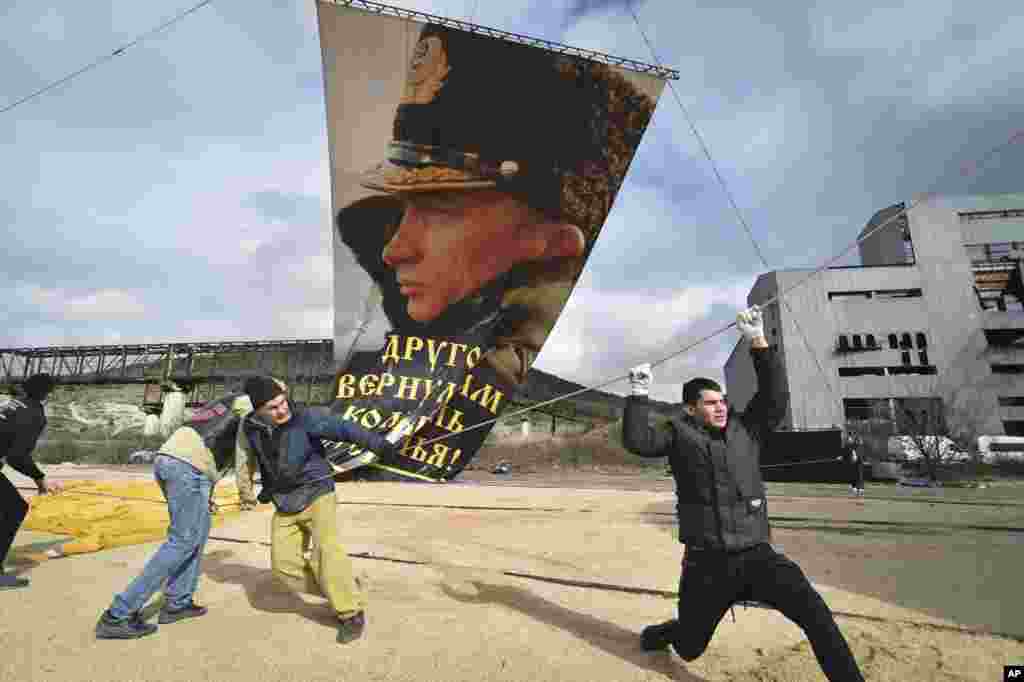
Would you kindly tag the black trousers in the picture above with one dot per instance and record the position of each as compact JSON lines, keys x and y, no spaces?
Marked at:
{"x":13,"y":510}
{"x":857,"y":476}
{"x":712,"y":581}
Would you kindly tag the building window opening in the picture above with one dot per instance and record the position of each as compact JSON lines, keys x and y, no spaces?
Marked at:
{"x":1005,"y":338}
{"x":849,"y":295}
{"x":857,"y":343}
{"x":1013,"y":427}
{"x":922,"y":370}
{"x":905,"y":342}
{"x":869,"y":341}
{"x":922,"y":342}
{"x":893,"y":341}
{"x":861,"y":371}
{"x":922,"y":355}
{"x":888,"y":294}
{"x":905,"y":357}
{"x":863,"y":409}
{"x":844,"y":343}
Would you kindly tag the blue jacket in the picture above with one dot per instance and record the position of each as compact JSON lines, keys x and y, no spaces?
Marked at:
{"x":291,"y":456}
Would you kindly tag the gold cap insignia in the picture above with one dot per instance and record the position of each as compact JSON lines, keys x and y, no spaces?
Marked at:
{"x":427,"y":71}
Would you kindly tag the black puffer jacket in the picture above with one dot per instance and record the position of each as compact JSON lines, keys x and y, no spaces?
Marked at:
{"x":21,"y":423}
{"x":721,"y":499}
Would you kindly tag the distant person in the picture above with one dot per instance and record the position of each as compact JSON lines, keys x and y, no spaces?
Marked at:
{"x":287,"y":446}
{"x":856,"y":461}
{"x":21,"y":423}
{"x":187,"y":467}
{"x":715,"y":455}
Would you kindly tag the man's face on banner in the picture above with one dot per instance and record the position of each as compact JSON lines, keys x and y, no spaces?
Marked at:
{"x":450,"y":244}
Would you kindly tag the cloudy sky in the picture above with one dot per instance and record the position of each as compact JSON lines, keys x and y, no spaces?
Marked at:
{"x":181,"y":192}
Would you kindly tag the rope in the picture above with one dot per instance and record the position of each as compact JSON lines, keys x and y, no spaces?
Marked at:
{"x":73,"y":491}
{"x":728,"y":194}
{"x":105,"y":58}
{"x":837,"y":458}
{"x":773,"y":299}
{"x":628,"y":589}
{"x":1018,"y":136}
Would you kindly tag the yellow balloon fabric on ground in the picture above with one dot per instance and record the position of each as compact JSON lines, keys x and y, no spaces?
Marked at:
{"x":113,"y":514}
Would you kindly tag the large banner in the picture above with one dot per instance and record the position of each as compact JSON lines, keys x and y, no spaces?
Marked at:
{"x":470,"y":179}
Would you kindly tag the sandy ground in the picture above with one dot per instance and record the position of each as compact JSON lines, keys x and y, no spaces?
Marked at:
{"x":918,"y":589}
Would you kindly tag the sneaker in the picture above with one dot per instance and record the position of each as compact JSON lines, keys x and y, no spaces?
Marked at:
{"x":340,"y":466}
{"x":657,"y":637}
{"x":128,"y":628}
{"x":12,"y":582}
{"x":173,"y":615}
{"x":350,"y":629}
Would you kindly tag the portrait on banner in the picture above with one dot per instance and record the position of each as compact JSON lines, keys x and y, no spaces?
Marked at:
{"x":475,"y":218}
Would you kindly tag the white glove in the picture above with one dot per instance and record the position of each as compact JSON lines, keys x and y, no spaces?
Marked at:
{"x":750,"y":324}
{"x":640,"y":379}
{"x":405,"y":428}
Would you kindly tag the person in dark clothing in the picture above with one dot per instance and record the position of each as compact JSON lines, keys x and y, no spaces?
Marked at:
{"x":21,"y":423}
{"x":287,"y":446}
{"x":723,"y":511}
{"x":853,"y":456}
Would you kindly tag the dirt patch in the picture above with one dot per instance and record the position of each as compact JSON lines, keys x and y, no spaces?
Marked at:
{"x":899,"y":597}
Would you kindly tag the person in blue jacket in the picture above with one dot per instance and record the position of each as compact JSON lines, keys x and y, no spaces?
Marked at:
{"x":287,"y":446}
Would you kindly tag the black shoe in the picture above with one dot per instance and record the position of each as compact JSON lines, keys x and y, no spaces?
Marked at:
{"x":128,"y":628}
{"x":350,"y":629}
{"x":12,"y":582}
{"x":170,"y":616}
{"x":657,"y":637}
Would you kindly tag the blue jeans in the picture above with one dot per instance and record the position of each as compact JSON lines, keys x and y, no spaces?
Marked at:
{"x":177,"y":561}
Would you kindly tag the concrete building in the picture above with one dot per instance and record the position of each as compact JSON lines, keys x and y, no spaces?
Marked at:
{"x":934,"y":311}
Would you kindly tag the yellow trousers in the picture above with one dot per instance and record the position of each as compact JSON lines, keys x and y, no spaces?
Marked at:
{"x":328,"y":570}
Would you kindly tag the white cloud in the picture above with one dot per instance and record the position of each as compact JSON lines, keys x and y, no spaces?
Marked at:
{"x":98,"y":305}
{"x":969,"y":78}
{"x":909,"y":50}
{"x":310,"y":322}
{"x":249,"y":246}
{"x":601,"y":334}
{"x":314,"y":275}
{"x":901,"y":28}
{"x":50,"y":26}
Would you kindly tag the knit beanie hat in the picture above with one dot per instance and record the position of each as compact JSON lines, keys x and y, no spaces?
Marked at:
{"x":38,"y":386}
{"x":262,"y":390}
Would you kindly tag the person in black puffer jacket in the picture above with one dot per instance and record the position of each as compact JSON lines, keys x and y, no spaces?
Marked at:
{"x":21,"y":423}
{"x":715,"y":457}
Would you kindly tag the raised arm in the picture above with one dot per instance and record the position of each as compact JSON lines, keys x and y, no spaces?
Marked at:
{"x":333,"y":427}
{"x":768,"y":406}
{"x":638,"y":436}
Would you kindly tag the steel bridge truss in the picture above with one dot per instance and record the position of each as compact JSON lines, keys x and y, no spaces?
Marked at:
{"x":200,"y":368}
